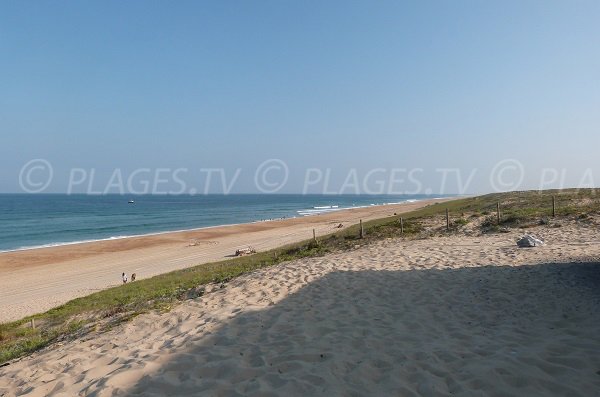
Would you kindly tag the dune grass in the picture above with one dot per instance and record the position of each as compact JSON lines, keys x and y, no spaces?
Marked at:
{"x":104,"y":309}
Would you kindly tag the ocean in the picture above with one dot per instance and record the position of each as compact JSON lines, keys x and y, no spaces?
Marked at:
{"x":41,"y":220}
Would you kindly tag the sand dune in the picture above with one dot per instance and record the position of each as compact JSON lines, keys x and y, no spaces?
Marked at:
{"x":33,"y":281}
{"x":446,"y":316}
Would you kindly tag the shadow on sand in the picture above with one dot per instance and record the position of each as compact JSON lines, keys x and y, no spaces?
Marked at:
{"x":529,"y":330}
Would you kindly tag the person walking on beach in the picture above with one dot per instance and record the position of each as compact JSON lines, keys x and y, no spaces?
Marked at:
{"x":124,"y":276}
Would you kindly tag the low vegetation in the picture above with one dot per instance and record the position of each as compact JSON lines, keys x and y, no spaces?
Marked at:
{"x":105,"y":309}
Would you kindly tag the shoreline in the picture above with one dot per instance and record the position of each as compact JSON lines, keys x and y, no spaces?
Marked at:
{"x":303,"y":213}
{"x":36,"y":280}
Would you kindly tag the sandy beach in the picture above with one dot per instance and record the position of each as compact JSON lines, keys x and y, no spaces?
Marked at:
{"x":36,"y":280}
{"x":264,"y":199}
{"x":457,"y":315}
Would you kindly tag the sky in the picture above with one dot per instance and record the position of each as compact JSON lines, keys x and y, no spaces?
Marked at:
{"x":328,"y":97}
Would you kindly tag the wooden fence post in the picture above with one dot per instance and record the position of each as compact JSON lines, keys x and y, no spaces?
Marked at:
{"x":314,"y":236}
{"x":553,"y":206}
{"x":401,"y":225}
{"x":447,"y":219}
{"x":498,"y":212}
{"x":362,"y":231}
{"x":33,"y":323}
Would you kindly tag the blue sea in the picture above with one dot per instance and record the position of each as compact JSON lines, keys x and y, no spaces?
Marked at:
{"x":40,"y":220}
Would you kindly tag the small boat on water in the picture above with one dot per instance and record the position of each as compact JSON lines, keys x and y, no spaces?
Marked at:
{"x":131,"y":202}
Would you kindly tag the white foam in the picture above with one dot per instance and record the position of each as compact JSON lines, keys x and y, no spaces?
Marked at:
{"x":306,"y":212}
{"x":60,"y":244}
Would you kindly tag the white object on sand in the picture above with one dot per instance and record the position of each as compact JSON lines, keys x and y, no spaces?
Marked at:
{"x":529,"y":241}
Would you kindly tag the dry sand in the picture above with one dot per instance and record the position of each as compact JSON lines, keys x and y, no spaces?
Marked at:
{"x":33,"y":281}
{"x":462,"y":316}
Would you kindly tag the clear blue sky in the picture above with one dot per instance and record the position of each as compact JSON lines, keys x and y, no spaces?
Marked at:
{"x":340,"y":85}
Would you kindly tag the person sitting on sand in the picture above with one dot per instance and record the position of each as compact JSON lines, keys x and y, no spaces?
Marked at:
{"x":124,"y":278}
{"x":132,"y":277}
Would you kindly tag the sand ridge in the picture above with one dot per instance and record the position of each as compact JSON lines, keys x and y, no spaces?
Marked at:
{"x":444,"y":316}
